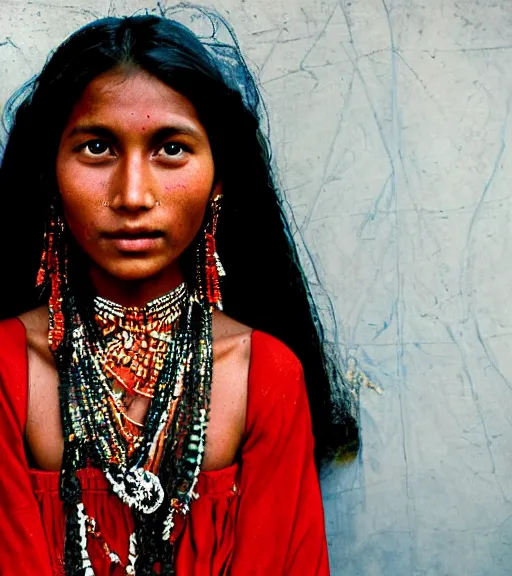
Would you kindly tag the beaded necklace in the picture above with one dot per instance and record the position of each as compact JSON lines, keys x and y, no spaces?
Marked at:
{"x":136,"y":342}
{"x":163,"y":352}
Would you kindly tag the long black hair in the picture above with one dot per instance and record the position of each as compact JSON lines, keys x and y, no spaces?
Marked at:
{"x":265,"y":286}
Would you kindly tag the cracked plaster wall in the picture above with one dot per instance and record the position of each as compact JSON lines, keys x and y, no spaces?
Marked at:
{"x":390,"y":123}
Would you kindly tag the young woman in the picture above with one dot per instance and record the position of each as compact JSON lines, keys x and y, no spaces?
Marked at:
{"x":143,"y":430}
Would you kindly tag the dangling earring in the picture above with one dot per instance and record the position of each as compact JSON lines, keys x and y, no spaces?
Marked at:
{"x":213,"y":268}
{"x":53,"y":269}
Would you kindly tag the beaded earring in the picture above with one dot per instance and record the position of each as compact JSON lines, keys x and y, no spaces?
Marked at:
{"x":53,"y":270}
{"x":213,"y":269}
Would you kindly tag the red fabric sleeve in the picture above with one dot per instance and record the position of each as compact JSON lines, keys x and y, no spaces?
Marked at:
{"x":280,"y":528}
{"x":23,"y":546}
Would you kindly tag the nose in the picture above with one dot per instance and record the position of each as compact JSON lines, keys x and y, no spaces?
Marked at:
{"x":133,"y":185}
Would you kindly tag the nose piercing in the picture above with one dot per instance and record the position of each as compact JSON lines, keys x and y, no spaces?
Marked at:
{"x":158,"y":203}
{"x":105,"y":203}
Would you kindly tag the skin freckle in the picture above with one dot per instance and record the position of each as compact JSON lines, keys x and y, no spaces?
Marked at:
{"x":125,"y":194}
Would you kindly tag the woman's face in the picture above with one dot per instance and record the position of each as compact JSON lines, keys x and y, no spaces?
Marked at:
{"x":135,"y":172}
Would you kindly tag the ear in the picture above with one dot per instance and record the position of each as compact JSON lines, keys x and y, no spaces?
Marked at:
{"x":216,"y":190}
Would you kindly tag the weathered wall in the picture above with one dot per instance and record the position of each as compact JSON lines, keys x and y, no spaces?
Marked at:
{"x":390,"y":121}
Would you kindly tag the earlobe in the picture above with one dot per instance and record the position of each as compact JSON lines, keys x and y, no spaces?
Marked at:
{"x":216,"y":190}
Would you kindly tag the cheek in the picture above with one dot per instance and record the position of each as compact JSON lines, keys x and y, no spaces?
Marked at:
{"x":82,"y":229}
{"x":81,"y":193}
{"x":192,"y":208}
{"x":184,"y":220}
{"x":82,"y":212}
{"x":79,"y":183}
{"x":189,"y":198}
{"x":80,"y":222}
{"x":80,"y":207}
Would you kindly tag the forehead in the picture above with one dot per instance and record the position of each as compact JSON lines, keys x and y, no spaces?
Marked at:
{"x":131,"y":97}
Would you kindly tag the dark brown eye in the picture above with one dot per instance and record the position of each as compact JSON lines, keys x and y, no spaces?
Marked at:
{"x":172,"y":149}
{"x":96,"y":147}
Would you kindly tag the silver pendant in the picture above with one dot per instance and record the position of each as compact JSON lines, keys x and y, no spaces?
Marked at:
{"x":138,"y":488}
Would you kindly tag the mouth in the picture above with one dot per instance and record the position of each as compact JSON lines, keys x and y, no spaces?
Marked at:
{"x":134,"y":239}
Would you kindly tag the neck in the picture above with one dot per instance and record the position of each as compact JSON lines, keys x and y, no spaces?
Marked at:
{"x":137,"y":293}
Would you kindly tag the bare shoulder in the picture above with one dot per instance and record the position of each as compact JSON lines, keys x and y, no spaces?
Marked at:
{"x":43,"y":429}
{"x":231,"y":337}
{"x":36,"y":326}
{"x":231,"y":350}
{"x":231,"y":355}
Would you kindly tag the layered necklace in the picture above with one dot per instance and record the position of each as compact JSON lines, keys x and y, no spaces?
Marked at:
{"x":110,"y":357}
{"x":135,"y":344}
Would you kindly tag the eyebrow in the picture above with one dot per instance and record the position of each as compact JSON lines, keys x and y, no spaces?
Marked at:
{"x":102,"y":131}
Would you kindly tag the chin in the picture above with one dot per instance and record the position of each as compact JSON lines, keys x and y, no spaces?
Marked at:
{"x":137,"y":270}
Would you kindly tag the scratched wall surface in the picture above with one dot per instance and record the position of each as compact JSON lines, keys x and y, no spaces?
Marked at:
{"x":390,"y":123}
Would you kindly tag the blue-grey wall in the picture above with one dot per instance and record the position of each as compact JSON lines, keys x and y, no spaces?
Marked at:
{"x":390,"y":122}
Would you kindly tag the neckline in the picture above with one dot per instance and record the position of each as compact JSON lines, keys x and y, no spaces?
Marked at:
{"x":97,"y":473}
{"x":206,"y":473}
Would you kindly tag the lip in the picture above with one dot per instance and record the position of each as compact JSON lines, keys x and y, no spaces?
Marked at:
{"x":134,"y":239}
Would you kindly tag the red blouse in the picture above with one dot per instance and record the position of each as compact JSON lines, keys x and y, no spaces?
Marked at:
{"x":262,"y":516}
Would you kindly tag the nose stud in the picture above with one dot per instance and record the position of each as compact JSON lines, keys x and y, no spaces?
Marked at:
{"x":107,"y":204}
